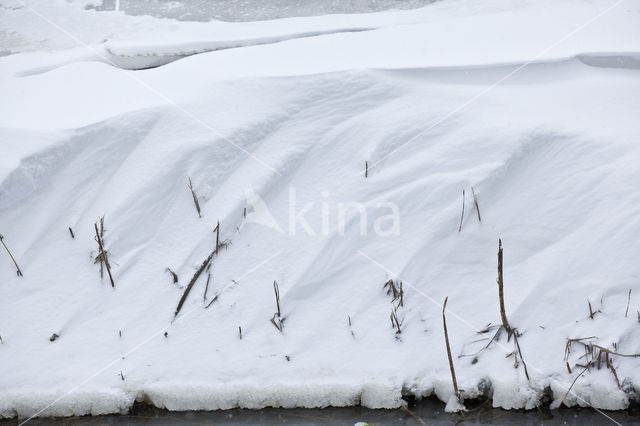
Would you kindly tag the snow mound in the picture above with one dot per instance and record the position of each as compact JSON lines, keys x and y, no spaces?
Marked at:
{"x":550,"y":156}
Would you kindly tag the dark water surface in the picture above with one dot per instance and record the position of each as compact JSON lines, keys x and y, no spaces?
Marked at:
{"x":427,"y":411}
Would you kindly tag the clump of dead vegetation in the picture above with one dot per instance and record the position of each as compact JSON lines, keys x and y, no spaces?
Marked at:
{"x":594,"y":356}
{"x":103,"y":255}
{"x":395,"y":290}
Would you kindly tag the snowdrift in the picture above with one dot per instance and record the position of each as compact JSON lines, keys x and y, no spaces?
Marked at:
{"x":551,"y":154}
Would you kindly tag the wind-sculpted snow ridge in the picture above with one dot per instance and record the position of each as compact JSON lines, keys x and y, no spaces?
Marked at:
{"x":329,"y":179}
{"x":141,"y":55}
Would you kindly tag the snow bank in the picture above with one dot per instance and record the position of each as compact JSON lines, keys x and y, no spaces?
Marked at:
{"x":551,"y":155}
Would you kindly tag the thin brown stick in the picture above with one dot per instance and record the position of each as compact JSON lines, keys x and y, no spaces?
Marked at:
{"x":446,"y":339}
{"x":195,"y":198}
{"x":206,"y":287}
{"x":395,"y":322}
{"x":173,"y":275}
{"x":590,"y":310}
{"x":503,"y":314}
{"x":217,"y":236}
{"x":628,"y":301}
{"x":475,"y":201}
{"x":277,"y":292}
{"x":607,"y":351}
{"x":18,"y":271}
{"x":71,"y":232}
{"x":615,"y":375}
{"x":240,"y":332}
{"x":212,"y":300}
{"x":524,"y":364}
{"x":202,"y":267}
{"x":461,"y":217}
{"x":573,"y":383}
{"x":366,"y":169}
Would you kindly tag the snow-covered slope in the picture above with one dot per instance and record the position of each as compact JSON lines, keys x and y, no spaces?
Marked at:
{"x":552,"y":155}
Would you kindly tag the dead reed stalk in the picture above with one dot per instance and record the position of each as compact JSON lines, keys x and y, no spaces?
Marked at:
{"x":475,"y":201}
{"x":18,"y":271}
{"x":573,"y":383}
{"x":366,"y":169}
{"x":395,"y":323}
{"x":461,"y":217}
{"x":277,"y":320}
{"x":195,"y":197}
{"x":71,"y":232}
{"x":524,"y":364}
{"x":173,"y":275}
{"x":446,"y":339}
{"x":195,"y":277}
{"x":503,"y":314}
{"x":217,"y":231}
{"x":206,"y":288}
{"x":628,"y":301}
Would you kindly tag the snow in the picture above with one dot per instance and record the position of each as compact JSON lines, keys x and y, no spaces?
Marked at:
{"x":551,"y":154}
{"x":454,"y":405}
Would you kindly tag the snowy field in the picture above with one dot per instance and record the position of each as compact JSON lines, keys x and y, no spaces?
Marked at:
{"x":532,"y":108}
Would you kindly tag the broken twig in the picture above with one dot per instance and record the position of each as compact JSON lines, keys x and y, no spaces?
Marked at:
{"x":446,"y":339}
{"x":18,"y":271}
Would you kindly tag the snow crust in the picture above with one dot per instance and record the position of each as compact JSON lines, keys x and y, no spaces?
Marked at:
{"x":552,"y":154}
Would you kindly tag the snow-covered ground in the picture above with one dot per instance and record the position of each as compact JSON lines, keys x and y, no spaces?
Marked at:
{"x":533,"y":104}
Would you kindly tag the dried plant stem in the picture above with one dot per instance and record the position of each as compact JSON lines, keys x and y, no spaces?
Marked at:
{"x":446,"y":339}
{"x":195,"y":277}
{"x":475,"y":201}
{"x":71,"y":232}
{"x":590,"y":310}
{"x":18,"y":271}
{"x":524,"y":364}
{"x":503,"y":314}
{"x":461,"y":217}
{"x":277,"y":319}
{"x":240,"y":332}
{"x":195,"y":198}
{"x":103,"y":255}
{"x":366,"y":169}
{"x":628,"y":301}
{"x":397,"y":324}
{"x":277,"y":292}
{"x":607,"y":351}
{"x":573,"y":383}
{"x":173,"y":275}
{"x":217,"y":230}
{"x":206,"y":288}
